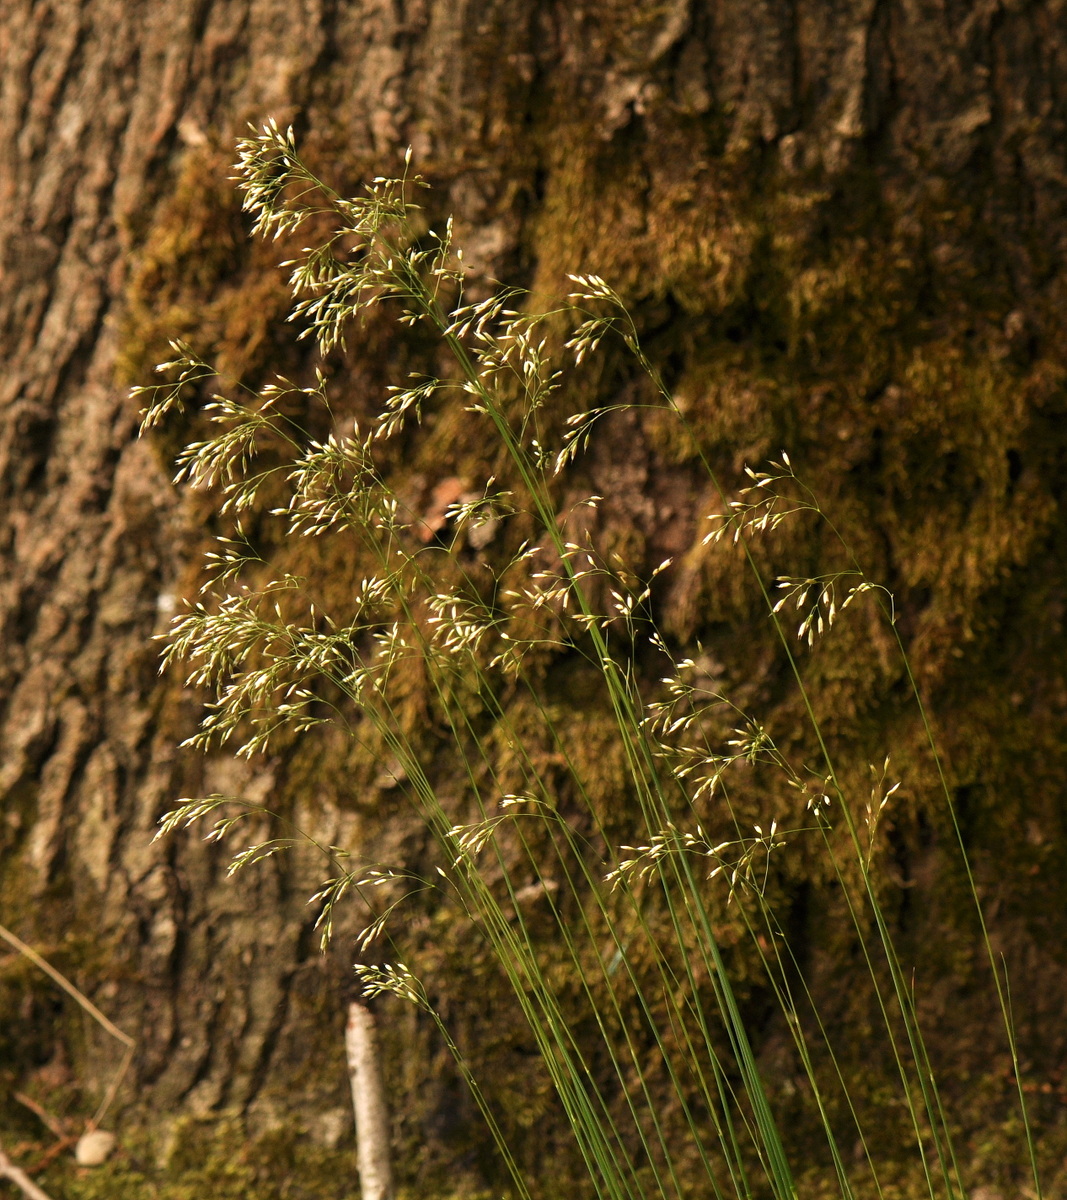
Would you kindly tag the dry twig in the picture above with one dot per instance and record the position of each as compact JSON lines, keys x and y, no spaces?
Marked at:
{"x":50,"y":1155}
{"x":84,"y":1001}
{"x":20,"y":1179}
{"x":46,"y":1117}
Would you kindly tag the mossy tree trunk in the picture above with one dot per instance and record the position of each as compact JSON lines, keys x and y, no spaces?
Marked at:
{"x":843,"y":229}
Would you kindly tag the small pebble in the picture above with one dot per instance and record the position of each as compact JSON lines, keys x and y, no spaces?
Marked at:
{"x":94,"y":1147}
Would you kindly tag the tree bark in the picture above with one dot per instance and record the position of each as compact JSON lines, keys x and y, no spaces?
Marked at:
{"x":843,"y":228}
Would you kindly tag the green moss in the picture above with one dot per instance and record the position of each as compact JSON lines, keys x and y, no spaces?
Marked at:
{"x":212,"y":1158}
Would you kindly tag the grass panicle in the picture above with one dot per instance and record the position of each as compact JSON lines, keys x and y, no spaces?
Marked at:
{"x":643,"y":1033}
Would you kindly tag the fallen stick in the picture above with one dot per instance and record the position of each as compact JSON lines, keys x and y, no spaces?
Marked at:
{"x":52,"y":1153}
{"x":20,"y":1179}
{"x":90,"y":1008}
{"x":50,"y":1121}
{"x":368,"y":1100}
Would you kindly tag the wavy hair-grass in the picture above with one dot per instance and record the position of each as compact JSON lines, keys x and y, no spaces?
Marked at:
{"x":649,"y":858}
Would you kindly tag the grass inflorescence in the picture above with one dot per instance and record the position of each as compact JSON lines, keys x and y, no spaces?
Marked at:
{"x":616,"y":926}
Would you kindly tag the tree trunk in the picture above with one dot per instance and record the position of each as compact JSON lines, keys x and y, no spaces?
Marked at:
{"x":843,"y":229}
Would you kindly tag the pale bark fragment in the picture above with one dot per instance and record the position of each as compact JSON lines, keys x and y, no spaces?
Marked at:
{"x":369,"y":1103}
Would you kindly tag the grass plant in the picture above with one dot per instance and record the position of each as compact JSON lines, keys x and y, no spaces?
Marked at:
{"x":626,"y":984}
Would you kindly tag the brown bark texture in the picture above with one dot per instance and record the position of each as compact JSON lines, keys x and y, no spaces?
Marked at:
{"x":843,"y":229}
